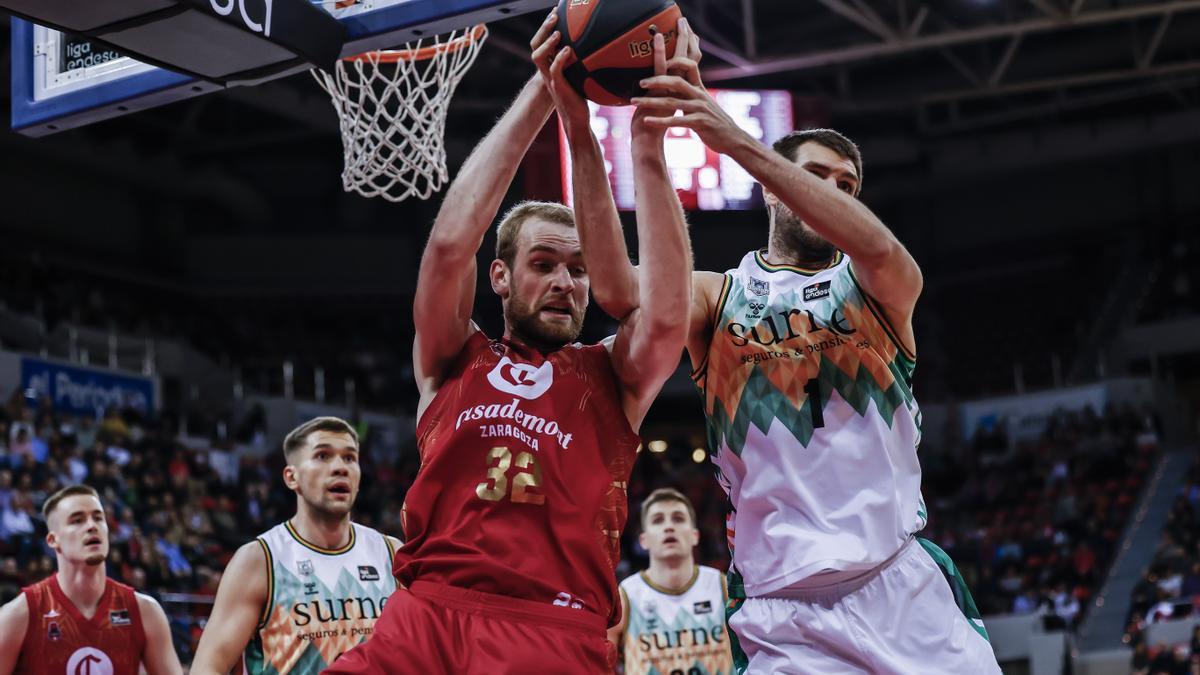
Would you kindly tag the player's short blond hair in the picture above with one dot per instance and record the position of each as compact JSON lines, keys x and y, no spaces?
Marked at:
{"x":509,"y":230}
{"x":55,"y":499}
{"x":667,"y":495}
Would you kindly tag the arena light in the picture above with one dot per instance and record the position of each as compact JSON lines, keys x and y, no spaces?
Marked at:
{"x":658,"y":446}
{"x":699,"y":455}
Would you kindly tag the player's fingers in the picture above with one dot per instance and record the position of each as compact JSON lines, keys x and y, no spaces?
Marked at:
{"x":545,"y":53}
{"x":660,"y":54}
{"x":672,"y":84}
{"x":694,"y":52}
{"x":685,"y":68}
{"x":544,"y":30}
{"x":666,"y":104}
{"x":687,"y":121}
{"x":683,"y":41}
{"x":561,"y":61}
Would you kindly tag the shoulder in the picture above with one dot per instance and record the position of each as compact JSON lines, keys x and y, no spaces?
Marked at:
{"x":250,"y":558}
{"x":14,"y":614}
{"x":149,"y":607}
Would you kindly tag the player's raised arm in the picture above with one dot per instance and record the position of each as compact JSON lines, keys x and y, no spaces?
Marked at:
{"x":614,"y":288}
{"x":652,"y":332}
{"x":14,"y":620}
{"x":446,"y":283}
{"x":241,"y":598}
{"x":160,"y":657}
{"x":882,"y":264}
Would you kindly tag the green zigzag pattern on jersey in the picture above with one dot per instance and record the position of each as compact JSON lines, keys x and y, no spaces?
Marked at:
{"x":761,"y":403}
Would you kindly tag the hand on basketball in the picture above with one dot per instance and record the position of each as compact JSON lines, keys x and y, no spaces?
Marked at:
{"x":678,"y":87}
{"x":551,"y":62}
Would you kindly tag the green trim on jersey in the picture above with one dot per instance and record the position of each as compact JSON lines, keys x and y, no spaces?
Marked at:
{"x":760,"y":257}
{"x":761,"y":404}
{"x":881,"y":316}
{"x":962,"y":594}
{"x":266,"y":611}
{"x":741,"y":660}
{"x":317,"y":549}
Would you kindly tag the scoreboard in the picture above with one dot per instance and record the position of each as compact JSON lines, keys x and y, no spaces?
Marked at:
{"x":704,"y":179}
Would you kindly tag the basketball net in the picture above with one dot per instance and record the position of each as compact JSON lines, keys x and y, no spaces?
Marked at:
{"x":392,"y":106}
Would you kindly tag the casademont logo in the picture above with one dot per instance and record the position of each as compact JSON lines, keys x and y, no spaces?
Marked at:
{"x":521,"y":379}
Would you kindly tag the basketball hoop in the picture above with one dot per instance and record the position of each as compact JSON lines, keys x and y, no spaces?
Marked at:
{"x":392,"y":105}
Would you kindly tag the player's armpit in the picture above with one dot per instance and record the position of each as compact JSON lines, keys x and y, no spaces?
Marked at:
{"x":14,"y":620}
{"x":241,"y":601}
{"x":160,"y":657}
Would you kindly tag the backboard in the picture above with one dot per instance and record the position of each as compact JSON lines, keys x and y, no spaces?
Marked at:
{"x":61,"y":81}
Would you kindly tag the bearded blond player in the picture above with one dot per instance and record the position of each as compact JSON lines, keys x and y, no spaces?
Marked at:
{"x":312,"y":587}
{"x":804,"y":355}
{"x":673,"y":613}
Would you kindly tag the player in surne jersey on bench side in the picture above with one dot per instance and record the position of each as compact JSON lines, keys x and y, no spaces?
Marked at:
{"x":804,"y":355}
{"x":673,"y":614}
{"x":78,"y":620}
{"x":312,"y":587}
{"x":512,"y":525}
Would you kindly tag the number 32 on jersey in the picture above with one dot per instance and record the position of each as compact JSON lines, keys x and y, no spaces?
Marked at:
{"x":526,"y":483}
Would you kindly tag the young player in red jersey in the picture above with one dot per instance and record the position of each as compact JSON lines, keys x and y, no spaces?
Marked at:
{"x":78,"y":621}
{"x":512,"y":525}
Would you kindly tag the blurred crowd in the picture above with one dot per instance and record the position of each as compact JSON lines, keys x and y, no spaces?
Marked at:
{"x":1033,"y":525}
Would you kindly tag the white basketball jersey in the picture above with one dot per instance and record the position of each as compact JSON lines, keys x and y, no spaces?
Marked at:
{"x":812,"y":424}
{"x":322,"y":602}
{"x":680,"y":632}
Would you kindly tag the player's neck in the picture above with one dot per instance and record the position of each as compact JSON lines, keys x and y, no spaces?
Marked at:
{"x":82,"y":584}
{"x":672,"y":574}
{"x":322,"y":530}
{"x":802,"y":256}
{"x":536,"y":345}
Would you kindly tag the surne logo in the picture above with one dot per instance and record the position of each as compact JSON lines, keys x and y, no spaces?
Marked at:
{"x":521,"y":379}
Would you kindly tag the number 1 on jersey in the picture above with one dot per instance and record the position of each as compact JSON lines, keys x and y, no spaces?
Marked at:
{"x":813,"y":389}
{"x":499,"y":460}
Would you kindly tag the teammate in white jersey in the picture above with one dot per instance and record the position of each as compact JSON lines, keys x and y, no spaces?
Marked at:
{"x":804,"y":356}
{"x":672,"y":614}
{"x":311,"y":588}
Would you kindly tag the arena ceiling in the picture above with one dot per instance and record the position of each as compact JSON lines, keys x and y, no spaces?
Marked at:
{"x":926,"y":86}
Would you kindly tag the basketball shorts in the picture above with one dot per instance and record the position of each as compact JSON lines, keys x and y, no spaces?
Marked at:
{"x":432,"y":628}
{"x":900,"y":618}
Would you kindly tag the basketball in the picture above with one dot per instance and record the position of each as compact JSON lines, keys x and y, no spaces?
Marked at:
{"x":613,"y":42}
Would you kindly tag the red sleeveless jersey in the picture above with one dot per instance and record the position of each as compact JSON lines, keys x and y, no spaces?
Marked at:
{"x":60,"y":640}
{"x":522,"y":487}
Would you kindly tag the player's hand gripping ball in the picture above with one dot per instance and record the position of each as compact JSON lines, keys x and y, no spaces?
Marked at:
{"x":613,"y":44}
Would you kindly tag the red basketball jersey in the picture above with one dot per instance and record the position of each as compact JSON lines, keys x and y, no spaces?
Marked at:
{"x":524,"y":463}
{"x":60,"y":640}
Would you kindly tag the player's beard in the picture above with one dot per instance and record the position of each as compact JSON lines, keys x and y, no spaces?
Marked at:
{"x":797,"y":241}
{"x":527,"y":327}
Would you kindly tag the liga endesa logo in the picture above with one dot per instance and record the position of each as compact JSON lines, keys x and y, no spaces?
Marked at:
{"x":521,"y":379}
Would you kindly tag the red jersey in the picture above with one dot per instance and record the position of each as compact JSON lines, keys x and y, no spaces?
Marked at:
{"x":524,"y":463}
{"x":60,"y":640}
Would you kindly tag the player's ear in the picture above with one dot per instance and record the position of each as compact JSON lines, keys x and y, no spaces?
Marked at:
{"x":51,"y":540}
{"x":695,"y":536}
{"x":642,"y":541}
{"x":289,"y":477}
{"x":500,"y":277}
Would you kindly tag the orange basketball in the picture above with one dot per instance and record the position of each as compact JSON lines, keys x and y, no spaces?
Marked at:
{"x":613,"y":43}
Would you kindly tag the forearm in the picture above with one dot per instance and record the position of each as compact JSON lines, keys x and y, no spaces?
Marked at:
{"x":613,"y":277}
{"x":665,"y":256}
{"x":474,"y":198}
{"x":834,"y":215}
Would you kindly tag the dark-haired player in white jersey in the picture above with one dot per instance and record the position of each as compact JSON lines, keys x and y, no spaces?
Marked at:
{"x":312,"y":587}
{"x":804,"y":356}
{"x":673,"y":613}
